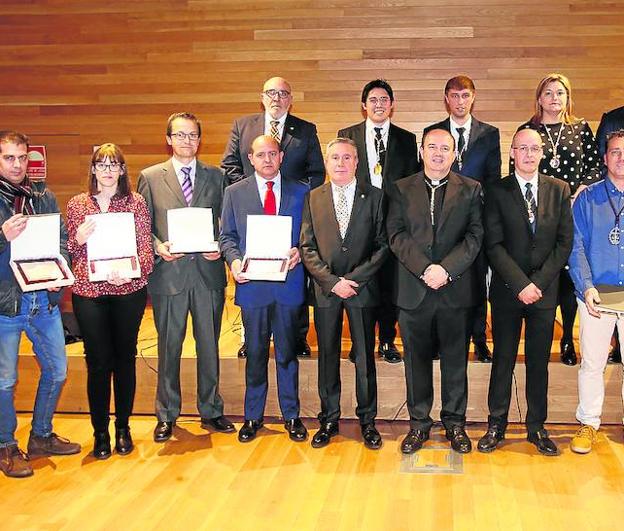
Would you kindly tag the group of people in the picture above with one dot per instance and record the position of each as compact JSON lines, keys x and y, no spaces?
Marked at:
{"x":397,"y":233}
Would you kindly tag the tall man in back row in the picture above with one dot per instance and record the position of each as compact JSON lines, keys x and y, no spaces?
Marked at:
{"x":435,"y":230}
{"x":185,"y":284}
{"x":478,"y":156}
{"x":302,"y":162}
{"x":386,"y":153}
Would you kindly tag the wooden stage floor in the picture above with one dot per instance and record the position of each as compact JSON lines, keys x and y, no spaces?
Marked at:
{"x":201,"y":480}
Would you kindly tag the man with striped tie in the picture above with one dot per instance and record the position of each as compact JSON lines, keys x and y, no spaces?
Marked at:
{"x":185,"y":283}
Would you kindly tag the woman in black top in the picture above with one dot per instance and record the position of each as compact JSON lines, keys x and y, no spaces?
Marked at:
{"x":570,"y":154}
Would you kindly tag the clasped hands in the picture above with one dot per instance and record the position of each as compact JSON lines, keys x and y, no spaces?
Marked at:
{"x":435,"y":276}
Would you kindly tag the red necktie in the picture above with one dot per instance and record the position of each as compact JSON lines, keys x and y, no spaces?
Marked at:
{"x":269,"y":200}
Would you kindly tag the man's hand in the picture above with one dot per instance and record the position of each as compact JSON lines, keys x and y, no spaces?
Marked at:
{"x":236,"y":272}
{"x":14,"y":226}
{"x":162,"y":250}
{"x":530,"y":294}
{"x":293,"y":257}
{"x":435,"y":276}
{"x":212,"y":256}
{"x":85,"y":230}
{"x":345,"y":288}
{"x":592,"y":298}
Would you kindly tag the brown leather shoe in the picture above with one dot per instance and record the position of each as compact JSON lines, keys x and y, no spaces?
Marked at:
{"x":51,"y":445}
{"x":14,"y":463}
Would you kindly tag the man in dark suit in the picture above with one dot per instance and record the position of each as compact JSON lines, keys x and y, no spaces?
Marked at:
{"x":528,"y":235}
{"x":267,"y":306}
{"x":386,"y":153}
{"x":303,"y":160}
{"x":478,"y":156}
{"x":435,"y":230}
{"x":343,"y":245}
{"x":611,"y":121}
{"x":182,"y":284}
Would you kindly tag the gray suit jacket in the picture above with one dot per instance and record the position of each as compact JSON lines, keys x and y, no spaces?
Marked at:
{"x":161,"y":189}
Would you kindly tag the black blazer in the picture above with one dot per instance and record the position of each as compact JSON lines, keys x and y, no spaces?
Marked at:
{"x":401,"y":153}
{"x":358,"y":257}
{"x":610,"y":121}
{"x":517,"y":256}
{"x":482,"y":158}
{"x":458,"y":239}
{"x":303,"y":160}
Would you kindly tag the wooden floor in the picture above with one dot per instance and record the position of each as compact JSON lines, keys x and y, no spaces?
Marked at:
{"x":200,"y":480}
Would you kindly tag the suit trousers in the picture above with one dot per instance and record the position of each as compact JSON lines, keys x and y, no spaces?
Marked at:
{"x":420,"y":329}
{"x":386,"y":312}
{"x":110,"y":326}
{"x":328,"y":322}
{"x":506,"y":328}
{"x":171,"y":315}
{"x":479,"y":317}
{"x":281,"y":321}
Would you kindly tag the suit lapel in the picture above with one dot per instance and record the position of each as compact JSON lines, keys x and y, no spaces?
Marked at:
{"x":360,"y":144}
{"x":285,"y":198}
{"x":356,"y":209}
{"x":542,"y":200}
{"x":450,"y":198}
{"x":422,"y":206}
{"x":201,"y":180}
{"x":328,"y":211}
{"x":289,"y":132}
{"x":516,"y":193}
{"x":171,"y":181}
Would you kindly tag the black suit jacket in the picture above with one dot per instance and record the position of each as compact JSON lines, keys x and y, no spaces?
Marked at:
{"x":610,"y":121}
{"x":358,"y":257}
{"x":303,"y":160}
{"x":458,"y":239}
{"x":518,"y":256}
{"x":482,"y":158}
{"x":401,"y":153}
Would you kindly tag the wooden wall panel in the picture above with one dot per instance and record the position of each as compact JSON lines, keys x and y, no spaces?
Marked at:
{"x":89,"y":71}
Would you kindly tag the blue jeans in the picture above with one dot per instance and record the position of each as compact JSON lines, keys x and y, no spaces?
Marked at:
{"x":44,"y":328}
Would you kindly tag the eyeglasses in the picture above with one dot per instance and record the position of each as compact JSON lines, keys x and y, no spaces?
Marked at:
{"x":272,"y":94}
{"x":384,"y":100}
{"x":114,"y":167}
{"x":526,"y":149}
{"x":181,"y":136}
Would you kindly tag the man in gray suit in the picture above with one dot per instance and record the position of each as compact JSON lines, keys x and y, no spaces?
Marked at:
{"x":182,"y":283}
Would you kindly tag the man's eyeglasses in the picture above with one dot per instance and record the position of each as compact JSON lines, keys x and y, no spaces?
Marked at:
{"x":272,"y":94}
{"x":181,"y":136}
{"x":526,"y":149}
{"x":383,"y":100}
{"x":114,"y":167}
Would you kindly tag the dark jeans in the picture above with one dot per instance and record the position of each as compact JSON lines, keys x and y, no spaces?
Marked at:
{"x":110,"y":326}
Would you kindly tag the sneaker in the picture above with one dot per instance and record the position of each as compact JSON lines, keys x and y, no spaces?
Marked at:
{"x":583,"y":440}
{"x":14,"y":463}
{"x":51,"y":445}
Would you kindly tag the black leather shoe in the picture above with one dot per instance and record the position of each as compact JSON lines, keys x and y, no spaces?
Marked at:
{"x":615,"y":355}
{"x":163,"y":430}
{"x":123,"y":441}
{"x":543,"y":443}
{"x":296,"y":430}
{"x":483,"y":353}
{"x":372,"y":438}
{"x":490,"y":440}
{"x":101,"y":445}
{"x":414,"y":441}
{"x":221,"y":424}
{"x":352,"y":356}
{"x":326,"y":432}
{"x":389,"y":352}
{"x":568,"y":354}
{"x":459,"y":439}
{"x":242,"y":352}
{"x":304,"y":350}
{"x":435,"y":356}
{"x":247,"y":433}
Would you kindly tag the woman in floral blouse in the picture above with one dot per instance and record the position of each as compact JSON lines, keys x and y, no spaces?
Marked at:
{"x":570,"y":154}
{"x":109,"y":312}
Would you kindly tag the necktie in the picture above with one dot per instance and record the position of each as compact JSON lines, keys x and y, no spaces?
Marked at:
{"x":187,"y":185}
{"x":274,"y":130}
{"x":269,"y":200}
{"x":342,"y":212}
{"x":531,"y":205}
{"x":380,"y":149}
{"x":461,"y":144}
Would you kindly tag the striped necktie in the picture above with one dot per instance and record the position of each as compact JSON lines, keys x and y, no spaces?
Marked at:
{"x":187,"y":185}
{"x":274,"y":130}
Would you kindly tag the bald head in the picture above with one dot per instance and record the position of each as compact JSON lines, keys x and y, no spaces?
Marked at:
{"x":266,"y":157}
{"x":526,"y":151}
{"x":276,"y":97}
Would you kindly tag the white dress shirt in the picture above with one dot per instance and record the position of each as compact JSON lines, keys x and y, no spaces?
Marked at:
{"x":280,"y":125}
{"x":371,"y":151}
{"x":349,"y":191}
{"x":466,"y":135}
{"x":177,"y":166}
{"x":522,"y":182}
{"x":261,"y":182}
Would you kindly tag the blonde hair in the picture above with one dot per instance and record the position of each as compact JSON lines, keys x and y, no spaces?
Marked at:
{"x":568,"y":118}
